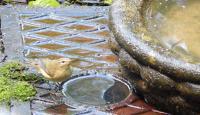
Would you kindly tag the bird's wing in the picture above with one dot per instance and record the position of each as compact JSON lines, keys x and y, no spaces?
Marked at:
{"x":50,"y":66}
{"x":45,"y":64}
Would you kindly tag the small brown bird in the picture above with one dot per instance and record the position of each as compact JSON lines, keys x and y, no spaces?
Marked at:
{"x":54,"y":70}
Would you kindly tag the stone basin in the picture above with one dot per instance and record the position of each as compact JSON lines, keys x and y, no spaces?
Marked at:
{"x":157,"y":41}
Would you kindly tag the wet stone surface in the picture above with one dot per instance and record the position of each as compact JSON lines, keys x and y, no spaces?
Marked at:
{"x":82,"y":37}
{"x":74,"y":32}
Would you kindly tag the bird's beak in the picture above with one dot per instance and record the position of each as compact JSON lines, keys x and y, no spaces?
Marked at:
{"x":73,"y":60}
{"x":70,"y":60}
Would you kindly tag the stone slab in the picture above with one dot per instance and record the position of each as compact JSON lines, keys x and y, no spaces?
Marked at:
{"x":78,"y":32}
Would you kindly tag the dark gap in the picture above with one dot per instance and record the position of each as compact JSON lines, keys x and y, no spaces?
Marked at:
{"x":0,"y":27}
{"x":98,"y":42}
{"x":1,"y":40}
{"x":90,"y":3}
{"x":2,"y":48}
{"x":94,"y":17}
{"x":3,"y":2}
{"x":35,"y":17}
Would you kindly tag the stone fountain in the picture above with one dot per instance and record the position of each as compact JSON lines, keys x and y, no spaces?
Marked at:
{"x":164,"y":71}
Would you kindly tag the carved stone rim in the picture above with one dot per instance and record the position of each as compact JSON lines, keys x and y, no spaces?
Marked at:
{"x":122,"y":15}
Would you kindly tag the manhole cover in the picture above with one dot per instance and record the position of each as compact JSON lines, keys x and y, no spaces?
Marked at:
{"x":96,"y":90}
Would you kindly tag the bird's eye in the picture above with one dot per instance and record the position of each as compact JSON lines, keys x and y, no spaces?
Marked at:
{"x":62,"y":61}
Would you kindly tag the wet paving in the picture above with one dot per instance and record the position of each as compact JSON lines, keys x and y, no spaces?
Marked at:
{"x":75,"y":32}
{"x":82,"y":37}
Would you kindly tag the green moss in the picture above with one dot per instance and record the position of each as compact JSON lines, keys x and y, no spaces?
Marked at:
{"x":10,"y":89}
{"x":16,"y":70}
{"x":11,"y":70}
{"x":108,"y":1}
{"x":15,"y":82}
{"x":5,"y":89}
{"x":8,"y":1}
{"x":23,"y":90}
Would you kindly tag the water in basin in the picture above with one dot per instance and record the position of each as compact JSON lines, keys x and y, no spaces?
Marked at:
{"x":176,"y":23}
{"x":96,"y":90}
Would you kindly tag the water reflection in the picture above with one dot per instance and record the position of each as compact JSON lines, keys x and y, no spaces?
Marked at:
{"x":95,"y":91}
{"x":176,"y":24}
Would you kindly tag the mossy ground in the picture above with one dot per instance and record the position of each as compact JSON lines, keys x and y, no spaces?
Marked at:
{"x":10,"y":89}
{"x":15,"y":82}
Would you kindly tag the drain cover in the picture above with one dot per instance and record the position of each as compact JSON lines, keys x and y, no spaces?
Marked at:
{"x":95,"y":90}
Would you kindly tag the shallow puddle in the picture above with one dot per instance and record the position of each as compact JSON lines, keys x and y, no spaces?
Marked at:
{"x":81,"y":27}
{"x":82,"y":64}
{"x":103,"y":33}
{"x":29,"y":40}
{"x":79,"y":17}
{"x":28,"y":27}
{"x":52,"y":57}
{"x":96,"y":90}
{"x":104,"y":46}
{"x":80,"y":52}
{"x":49,"y":21}
{"x":80,"y":39}
{"x":109,"y":58}
{"x":50,"y":33}
{"x":52,"y":46}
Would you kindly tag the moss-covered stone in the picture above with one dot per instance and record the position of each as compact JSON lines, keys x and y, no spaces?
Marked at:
{"x":15,"y":82}
{"x":16,"y":70}
{"x":10,"y":89}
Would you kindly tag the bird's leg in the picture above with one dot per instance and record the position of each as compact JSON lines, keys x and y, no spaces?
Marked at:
{"x":58,"y":86}
{"x":49,"y":85}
